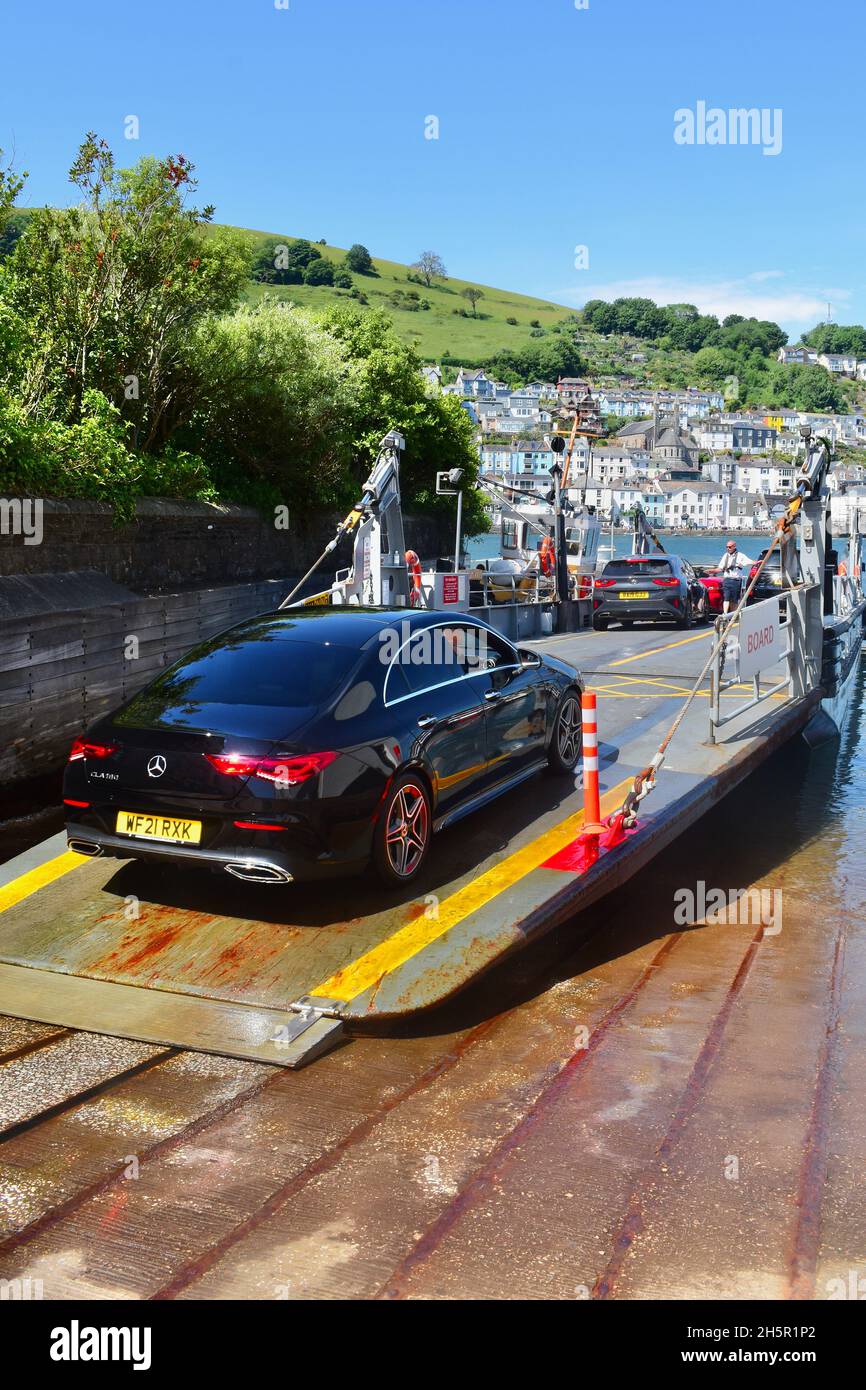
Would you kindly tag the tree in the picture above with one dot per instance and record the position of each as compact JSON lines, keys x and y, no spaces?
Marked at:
{"x":319,"y":272}
{"x":430,"y":266}
{"x":110,"y":289}
{"x":301,"y":252}
{"x":388,"y":391}
{"x":473,"y":295}
{"x":359,"y":260}
{"x":272,"y":265}
{"x":11,"y":185}
{"x":273,"y":402}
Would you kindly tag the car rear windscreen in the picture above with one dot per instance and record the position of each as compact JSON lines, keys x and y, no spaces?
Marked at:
{"x":621,"y":569}
{"x":262,"y":671}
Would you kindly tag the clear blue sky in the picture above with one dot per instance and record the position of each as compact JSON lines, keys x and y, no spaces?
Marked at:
{"x":556,"y":129}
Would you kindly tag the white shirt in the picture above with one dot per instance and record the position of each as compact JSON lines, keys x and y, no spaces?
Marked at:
{"x":733,"y":562}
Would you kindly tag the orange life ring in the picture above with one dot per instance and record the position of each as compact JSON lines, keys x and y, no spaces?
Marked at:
{"x":842,"y":569}
{"x":414,"y":566}
{"x":547,"y":555}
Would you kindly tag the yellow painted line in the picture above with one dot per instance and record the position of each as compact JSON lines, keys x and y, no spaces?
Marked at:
{"x":654,"y":651}
{"x":27,"y":884}
{"x":368,"y":969}
{"x":734,"y":693}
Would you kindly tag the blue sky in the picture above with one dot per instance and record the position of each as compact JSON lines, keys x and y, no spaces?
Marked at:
{"x":556,"y":129}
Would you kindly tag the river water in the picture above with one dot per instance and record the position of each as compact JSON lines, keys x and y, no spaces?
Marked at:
{"x":698,"y":549}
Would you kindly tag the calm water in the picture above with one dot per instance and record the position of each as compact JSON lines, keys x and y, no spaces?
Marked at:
{"x":698,"y":549}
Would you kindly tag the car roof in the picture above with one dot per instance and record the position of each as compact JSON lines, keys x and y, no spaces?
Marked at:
{"x":343,"y":625}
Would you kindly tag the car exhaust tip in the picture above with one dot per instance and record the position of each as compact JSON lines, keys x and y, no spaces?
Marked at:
{"x":85,"y":847}
{"x":258,"y":873}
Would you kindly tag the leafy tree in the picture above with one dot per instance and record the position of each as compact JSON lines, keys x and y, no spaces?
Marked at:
{"x":473,"y":295}
{"x":11,"y":185}
{"x":319,"y":272}
{"x":430,"y":267}
{"x":273,"y":265}
{"x":110,"y":289}
{"x":387,"y":390}
{"x":359,"y":260}
{"x":10,"y":232}
{"x":834,"y":337}
{"x":301,"y":253}
{"x":273,"y":402}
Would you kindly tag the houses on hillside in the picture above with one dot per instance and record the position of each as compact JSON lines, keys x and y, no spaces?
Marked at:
{"x":684,"y":459}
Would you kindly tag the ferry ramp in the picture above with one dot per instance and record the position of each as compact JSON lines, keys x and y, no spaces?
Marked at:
{"x":194,"y":961}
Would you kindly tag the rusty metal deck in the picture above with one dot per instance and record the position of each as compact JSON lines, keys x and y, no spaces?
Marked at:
{"x":207,"y":963}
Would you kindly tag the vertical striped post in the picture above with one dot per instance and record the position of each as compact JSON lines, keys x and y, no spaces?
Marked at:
{"x":591,"y":798}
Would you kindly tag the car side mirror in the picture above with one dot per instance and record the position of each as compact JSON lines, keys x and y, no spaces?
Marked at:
{"x":529,"y":661}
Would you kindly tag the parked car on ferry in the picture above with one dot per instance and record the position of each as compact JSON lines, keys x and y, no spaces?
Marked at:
{"x":648,"y":588}
{"x":712,"y":584}
{"x":311,"y":741}
{"x":771,"y":579}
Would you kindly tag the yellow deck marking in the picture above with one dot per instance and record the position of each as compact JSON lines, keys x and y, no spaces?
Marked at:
{"x":368,"y":969}
{"x":34,"y":879}
{"x":654,"y":651}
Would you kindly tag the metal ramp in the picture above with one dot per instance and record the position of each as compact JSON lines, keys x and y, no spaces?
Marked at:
{"x":202,"y":962}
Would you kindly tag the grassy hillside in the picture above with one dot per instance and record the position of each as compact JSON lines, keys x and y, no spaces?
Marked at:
{"x":437,"y":331}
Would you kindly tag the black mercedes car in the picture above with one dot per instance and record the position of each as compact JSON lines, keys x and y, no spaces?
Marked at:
{"x":311,"y":741}
{"x":648,"y":588}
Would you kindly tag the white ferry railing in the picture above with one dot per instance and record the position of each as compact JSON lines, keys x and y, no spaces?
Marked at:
{"x":796,"y":656}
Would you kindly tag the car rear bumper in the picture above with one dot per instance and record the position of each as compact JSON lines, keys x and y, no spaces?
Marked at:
{"x":265,"y":863}
{"x":646,"y":609}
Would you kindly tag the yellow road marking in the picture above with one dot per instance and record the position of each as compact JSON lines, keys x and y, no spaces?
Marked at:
{"x":733,"y":693}
{"x":654,"y":651}
{"x":30,"y":882}
{"x":369,"y":968}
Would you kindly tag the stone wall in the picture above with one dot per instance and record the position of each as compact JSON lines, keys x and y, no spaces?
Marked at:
{"x":182,"y":545}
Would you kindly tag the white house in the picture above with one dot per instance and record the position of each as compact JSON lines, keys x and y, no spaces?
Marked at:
{"x":700,"y":503}
{"x":841,"y":363}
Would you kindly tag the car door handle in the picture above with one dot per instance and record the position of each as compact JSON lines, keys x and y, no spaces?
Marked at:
{"x":426,"y":721}
{"x":492,"y":695}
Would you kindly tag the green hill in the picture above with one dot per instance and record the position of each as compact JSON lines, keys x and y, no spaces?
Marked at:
{"x":439,"y":331}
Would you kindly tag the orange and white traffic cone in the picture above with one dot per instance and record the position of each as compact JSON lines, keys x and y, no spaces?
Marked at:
{"x":591,"y":796}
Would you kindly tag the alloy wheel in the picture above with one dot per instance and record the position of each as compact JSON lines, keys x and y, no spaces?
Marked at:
{"x":568,"y":732}
{"x":407,"y":830}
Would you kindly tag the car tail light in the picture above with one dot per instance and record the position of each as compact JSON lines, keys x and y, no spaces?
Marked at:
{"x":286,"y":771}
{"x":67,"y":802}
{"x":81,"y":748}
{"x":666,"y":583}
{"x":604,"y":583}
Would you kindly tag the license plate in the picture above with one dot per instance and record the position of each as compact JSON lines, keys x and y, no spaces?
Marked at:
{"x":635,"y":593}
{"x":178,"y":832}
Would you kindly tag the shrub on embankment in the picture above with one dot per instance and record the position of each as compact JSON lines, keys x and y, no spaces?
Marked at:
{"x":128,"y":369}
